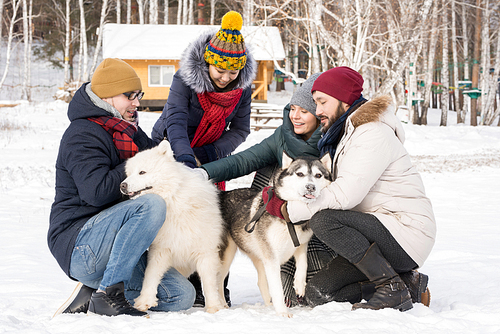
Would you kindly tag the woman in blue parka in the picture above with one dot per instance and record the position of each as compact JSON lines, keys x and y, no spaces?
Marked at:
{"x":207,"y":114}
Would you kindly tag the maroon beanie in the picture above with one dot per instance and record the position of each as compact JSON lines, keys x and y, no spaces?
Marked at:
{"x":343,"y":83}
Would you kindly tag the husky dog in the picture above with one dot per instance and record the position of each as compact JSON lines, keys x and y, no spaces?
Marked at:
{"x":270,"y":245}
{"x":193,"y":233}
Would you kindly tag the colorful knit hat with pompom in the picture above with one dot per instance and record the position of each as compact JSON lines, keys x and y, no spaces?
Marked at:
{"x":226,"y":49}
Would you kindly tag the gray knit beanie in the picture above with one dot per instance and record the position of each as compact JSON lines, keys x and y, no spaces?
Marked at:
{"x":303,"y":96}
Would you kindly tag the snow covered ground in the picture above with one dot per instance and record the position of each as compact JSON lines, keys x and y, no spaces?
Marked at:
{"x":460,"y":166}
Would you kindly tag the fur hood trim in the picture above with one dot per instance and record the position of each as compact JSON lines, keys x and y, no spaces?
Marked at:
{"x":372,"y":111}
{"x":194,"y":69}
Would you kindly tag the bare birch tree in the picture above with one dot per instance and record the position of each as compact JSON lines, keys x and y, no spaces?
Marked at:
{"x":430,"y":64}
{"x":490,"y":59}
{"x":104,"y":13}
{"x":118,"y":12}
{"x":493,"y":80}
{"x":153,"y":11}
{"x":179,"y":11}
{"x":212,"y":11}
{"x":15,"y":6}
{"x":185,"y":11}
{"x":1,"y":23}
{"x":165,"y":12}
{"x":454,"y":51}
{"x":27,"y":39}
{"x":462,"y":112}
{"x":84,"y":56}
{"x":140,"y":5}
{"x":129,"y":11}
{"x":445,"y":76}
{"x":67,"y":40}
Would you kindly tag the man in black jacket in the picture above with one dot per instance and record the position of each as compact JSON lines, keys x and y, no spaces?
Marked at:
{"x":96,"y":237}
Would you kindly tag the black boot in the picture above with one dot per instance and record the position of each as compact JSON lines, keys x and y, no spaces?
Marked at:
{"x":417,"y":285}
{"x":78,"y":302}
{"x":390,"y":290}
{"x":199,"y":300}
{"x":113,"y":302}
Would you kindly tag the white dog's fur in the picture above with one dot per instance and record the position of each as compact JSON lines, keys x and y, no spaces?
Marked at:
{"x":270,"y":244}
{"x":191,"y":237}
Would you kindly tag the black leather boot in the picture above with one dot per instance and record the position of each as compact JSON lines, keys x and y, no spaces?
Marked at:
{"x":78,"y":302}
{"x":199,"y":300}
{"x":417,"y":285}
{"x":113,"y":302}
{"x":390,"y":290}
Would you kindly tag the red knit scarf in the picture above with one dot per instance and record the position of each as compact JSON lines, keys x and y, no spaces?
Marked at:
{"x":217,"y":107}
{"x":122,"y":133}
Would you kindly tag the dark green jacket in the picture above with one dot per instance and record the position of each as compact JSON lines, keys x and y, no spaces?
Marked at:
{"x":268,"y":152}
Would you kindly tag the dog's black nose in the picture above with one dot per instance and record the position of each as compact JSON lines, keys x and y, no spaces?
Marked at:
{"x":310,"y":187}
{"x":123,"y":187}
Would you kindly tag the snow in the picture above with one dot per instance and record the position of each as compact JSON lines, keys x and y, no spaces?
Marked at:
{"x":460,"y":166}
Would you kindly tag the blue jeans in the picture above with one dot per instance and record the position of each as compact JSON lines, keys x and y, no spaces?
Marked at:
{"x":111,"y":248}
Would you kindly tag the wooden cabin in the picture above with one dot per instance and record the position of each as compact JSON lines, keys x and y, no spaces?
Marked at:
{"x":154,"y":51}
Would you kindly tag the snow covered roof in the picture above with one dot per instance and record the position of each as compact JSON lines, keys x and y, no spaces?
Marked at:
{"x":160,"y":41}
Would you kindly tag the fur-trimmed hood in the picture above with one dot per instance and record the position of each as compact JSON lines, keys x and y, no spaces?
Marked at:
{"x":194,"y":69}
{"x":380,"y":109}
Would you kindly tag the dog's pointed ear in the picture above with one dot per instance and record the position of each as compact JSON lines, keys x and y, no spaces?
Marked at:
{"x":326,"y":160}
{"x":286,"y":161}
{"x":165,"y":148}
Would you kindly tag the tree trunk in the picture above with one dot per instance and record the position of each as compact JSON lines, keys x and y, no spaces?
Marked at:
{"x":430,"y":65}
{"x":26,"y":80}
{"x":185,"y":12}
{"x":165,"y":12}
{"x":454,"y":50}
{"x":15,"y":6}
{"x":491,"y":107}
{"x":485,"y":62}
{"x":445,"y":76}
{"x":140,"y":5}
{"x":118,"y":12}
{"x":104,"y":11}
{"x":129,"y":11}
{"x":475,"y":62}
{"x":67,"y":41}
{"x":153,"y":11}
{"x":1,"y":24}
{"x":179,"y":11}
{"x":83,"y":42}
{"x":190,"y":12}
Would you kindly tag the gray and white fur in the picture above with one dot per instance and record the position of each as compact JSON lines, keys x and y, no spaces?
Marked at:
{"x":270,"y":244}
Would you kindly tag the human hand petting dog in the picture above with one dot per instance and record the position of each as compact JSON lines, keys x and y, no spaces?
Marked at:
{"x":201,"y":173}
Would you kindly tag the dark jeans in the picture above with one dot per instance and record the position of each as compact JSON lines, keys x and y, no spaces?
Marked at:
{"x":350,"y":234}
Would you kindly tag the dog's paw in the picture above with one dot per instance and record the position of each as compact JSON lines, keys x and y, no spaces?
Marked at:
{"x":300,"y":287}
{"x":143,"y":303}
{"x":285,"y":314}
{"x":213,"y":309}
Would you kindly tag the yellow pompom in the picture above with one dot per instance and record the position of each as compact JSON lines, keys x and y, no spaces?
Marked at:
{"x":232,"y":21}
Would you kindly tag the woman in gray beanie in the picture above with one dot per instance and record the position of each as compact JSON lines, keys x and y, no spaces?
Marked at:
{"x":297,"y":136}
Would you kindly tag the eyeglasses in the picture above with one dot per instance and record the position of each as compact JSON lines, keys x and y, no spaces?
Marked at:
{"x":132,"y":95}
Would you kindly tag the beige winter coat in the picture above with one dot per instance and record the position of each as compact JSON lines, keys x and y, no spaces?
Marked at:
{"x":373,"y":174}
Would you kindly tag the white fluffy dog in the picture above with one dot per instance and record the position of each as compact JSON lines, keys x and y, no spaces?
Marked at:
{"x":191,"y":237}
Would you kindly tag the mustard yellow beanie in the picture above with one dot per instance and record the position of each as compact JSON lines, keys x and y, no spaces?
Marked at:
{"x":226,"y":49}
{"x":113,"y":77}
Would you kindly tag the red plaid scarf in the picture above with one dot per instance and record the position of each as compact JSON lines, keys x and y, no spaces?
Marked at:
{"x":122,"y":133}
{"x":217,"y":107}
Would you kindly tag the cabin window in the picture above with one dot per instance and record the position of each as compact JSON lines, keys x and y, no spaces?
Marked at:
{"x":161,"y":75}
